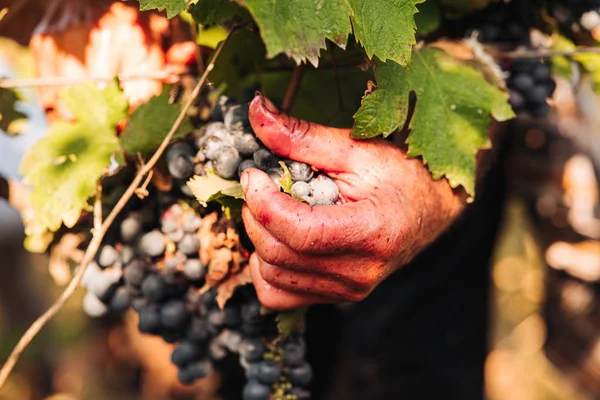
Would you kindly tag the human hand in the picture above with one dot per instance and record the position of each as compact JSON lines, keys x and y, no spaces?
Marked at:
{"x":392,"y":209}
{"x":102,"y":39}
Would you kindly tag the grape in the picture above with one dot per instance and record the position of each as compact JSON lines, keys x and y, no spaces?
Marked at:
{"x":173,"y":314}
{"x":189,"y":244}
{"x":176,"y":235}
{"x":90,"y":274}
{"x":135,"y":272}
{"x":246,"y":144}
{"x":107,"y":256}
{"x":256,"y":391}
{"x":149,"y":319}
{"x":300,"y":376}
{"x":244,"y":165}
{"x":523,"y":82}
{"x":252,"y":349}
{"x":263,"y":159}
{"x":171,"y":335}
{"x":542,"y":73}
{"x":171,"y":264}
{"x":131,"y":227}
{"x":191,"y":222}
{"x":216,"y":351}
{"x":300,"y":171}
{"x":180,"y":161}
{"x":169,"y":225}
{"x":325,"y":191}
{"x":152,"y":244}
{"x":276,"y":174}
{"x":138,"y":303}
{"x":121,"y":299}
{"x":154,"y":287}
{"x":127,"y":254}
{"x":300,"y":189}
{"x":294,"y":352}
{"x":226,"y":162}
{"x":185,"y":352}
{"x":198,"y":330}
{"x":185,"y":377}
{"x":269,"y":372}
{"x":232,"y":316}
{"x":199,"y":369}
{"x":251,"y":311}
{"x":300,"y":393}
{"x":215,"y":129}
{"x":103,"y":281}
{"x":93,"y":306}
{"x":211,"y":148}
{"x":252,"y":371}
{"x":235,"y":116}
{"x":216,"y":318}
{"x":230,"y":340}
{"x":193,"y":269}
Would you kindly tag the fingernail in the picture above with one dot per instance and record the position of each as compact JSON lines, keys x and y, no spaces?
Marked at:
{"x":244,"y":181}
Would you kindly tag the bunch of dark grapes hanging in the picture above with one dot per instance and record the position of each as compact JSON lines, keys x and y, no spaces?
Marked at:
{"x":169,"y":257}
{"x":507,"y":26}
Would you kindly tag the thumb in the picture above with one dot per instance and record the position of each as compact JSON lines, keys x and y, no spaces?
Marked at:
{"x":325,"y":148}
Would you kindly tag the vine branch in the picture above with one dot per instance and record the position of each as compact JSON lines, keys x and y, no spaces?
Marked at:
{"x":292,"y":88}
{"x":98,"y":234}
{"x":544,"y":53}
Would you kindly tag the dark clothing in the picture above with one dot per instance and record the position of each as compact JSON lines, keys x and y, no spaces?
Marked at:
{"x":422,"y":334}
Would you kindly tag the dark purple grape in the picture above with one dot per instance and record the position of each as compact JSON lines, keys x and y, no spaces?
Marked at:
{"x":135,"y":272}
{"x":154,"y":287}
{"x":171,"y":335}
{"x":226,"y":162}
{"x":269,"y":372}
{"x":212,"y":146}
{"x":152,"y":244}
{"x":216,"y":319}
{"x":198,"y":331}
{"x":232,"y":316}
{"x":173,"y":314}
{"x":246,"y":144}
{"x":244,"y":165}
{"x":294,"y":351}
{"x":121,"y":299}
{"x":300,"y":376}
{"x":193,"y":269}
{"x":235,"y":117}
{"x":190,"y":222}
{"x":180,"y":161}
{"x":130,"y":228}
{"x":300,"y":171}
{"x":186,"y":352}
{"x":251,"y":311}
{"x":199,"y":369}
{"x":102,"y":282}
{"x":127,"y":254}
{"x":149,"y":319}
{"x":189,"y":244}
{"x":256,"y":391}
{"x":107,"y":256}
{"x":264,"y":159}
{"x":252,"y":349}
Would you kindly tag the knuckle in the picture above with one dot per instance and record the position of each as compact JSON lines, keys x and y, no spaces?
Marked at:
{"x":356,"y":296}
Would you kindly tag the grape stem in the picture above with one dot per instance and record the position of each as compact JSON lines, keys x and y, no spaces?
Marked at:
{"x":100,"y":228}
{"x":544,"y":53}
{"x":292,"y":89}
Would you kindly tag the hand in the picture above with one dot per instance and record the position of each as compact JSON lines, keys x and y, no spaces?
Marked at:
{"x":104,"y":38}
{"x":392,"y":209}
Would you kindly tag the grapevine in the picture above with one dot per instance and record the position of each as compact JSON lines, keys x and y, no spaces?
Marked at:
{"x":159,"y":200}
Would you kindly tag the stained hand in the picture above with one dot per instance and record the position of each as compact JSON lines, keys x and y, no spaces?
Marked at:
{"x":392,"y":209}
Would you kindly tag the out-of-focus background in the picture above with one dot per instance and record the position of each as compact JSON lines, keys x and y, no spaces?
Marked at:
{"x":544,"y":315}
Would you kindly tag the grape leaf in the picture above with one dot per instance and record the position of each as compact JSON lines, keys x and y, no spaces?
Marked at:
{"x":286,"y":181}
{"x":451,"y":117}
{"x":210,"y":12}
{"x":212,"y":187}
{"x":11,"y":120}
{"x":150,"y":123}
{"x":385,"y":28}
{"x":299,"y":28}
{"x":173,"y":7}
{"x":63,"y":167}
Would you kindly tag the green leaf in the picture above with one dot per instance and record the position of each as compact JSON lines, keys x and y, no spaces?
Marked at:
{"x":299,"y":28}
{"x":64,"y":166}
{"x":173,"y":7}
{"x":11,"y":120}
{"x":286,"y":181}
{"x":385,"y":28}
{"x":150,"y":123}
{"x":291,"y":321}
{"x":429,"y":17}
{"x":211,"y":12}
{"x":451,"y":117}
{"x":212,"y":187}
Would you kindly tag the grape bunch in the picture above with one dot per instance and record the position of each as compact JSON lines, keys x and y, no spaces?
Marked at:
{"x":227,"y":147}
{"x":168,"y":255}
{"x":530,"y":80}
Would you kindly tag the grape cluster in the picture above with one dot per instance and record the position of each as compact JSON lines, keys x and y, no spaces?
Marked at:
{"x":168,"y":254}
{"x":575,"y":15}
{"x":529,"y":80}
{"x":227,"y":146}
